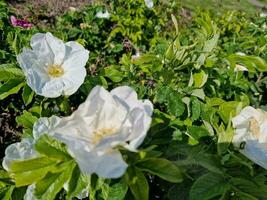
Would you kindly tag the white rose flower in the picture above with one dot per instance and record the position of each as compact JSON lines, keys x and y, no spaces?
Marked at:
{"x":251,"y":134}
{"x":104,"y":121}
{"x":25,"y":149}
{"x":52,"y":67}
{"x":149,"y":3}
{"x":104,"y":15}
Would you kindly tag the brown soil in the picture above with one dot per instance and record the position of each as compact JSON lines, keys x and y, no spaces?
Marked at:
{"x":45,"y":10}
{"x":9,"y":132}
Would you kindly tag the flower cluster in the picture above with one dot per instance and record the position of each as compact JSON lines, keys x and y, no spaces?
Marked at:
{"x":92,"y":133}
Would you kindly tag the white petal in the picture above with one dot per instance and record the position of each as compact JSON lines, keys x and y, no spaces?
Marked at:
{"x":107,"y":165}
{"x":257,"y":152}
{"x":141,"y":123}
{"x":29,"y":195}
{"x":18,"y":151}
{"x":245,"y":115}
{"x":46,"y":45}
{"x":27,"y":59}
{"x":128,"y":96}
{"x":76,"y":56}
{"x":73,"y":80}
{"x":45,"y":125}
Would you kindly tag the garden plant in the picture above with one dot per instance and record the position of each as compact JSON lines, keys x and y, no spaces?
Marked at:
{"x":135,"y":100}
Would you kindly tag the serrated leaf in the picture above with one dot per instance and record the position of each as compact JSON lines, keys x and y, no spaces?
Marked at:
{"x":229,"y":109}
{"x":161,"y":167}
{"x":117,"y":191}
{"x":208,"y":186}
{"x":8,"y":72}
{"x":197,"y":132}
{"x":196,"y":109}
{"x":175,"y":105}
{"x":249,"y":187}
{"x":27,"y":120}
{"x":163,"y":94}
{"x":113,"y":74}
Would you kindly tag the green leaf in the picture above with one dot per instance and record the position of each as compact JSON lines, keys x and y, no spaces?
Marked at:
{"x":52,"y":148}
{"x":197,"y":132}
{"x":29,"y":171}
{"x":199,"y":93}
{"x":252,"y":63}
{"x":200,"y":79}
{"x":77,"y":183}
{"x":27,"y":120}
{"x":8,"y":193}
{"x":8,"y":72}
{"x":163,"y":94}
{"x":175,"y":105}
{"x":10,"y":87}
{"x":27,"y":95}
{"x":137,"y":183}
{"x":161,"y":167}
{"x":225,"y":138}
{"x":114,"y":74}
{"x":229,"y":109}
{"x":208,"y":186}
{"x":52,"y":183}
{"x":249,"y":188}
{"x":196,"y":109}
{"x":117,"y":191}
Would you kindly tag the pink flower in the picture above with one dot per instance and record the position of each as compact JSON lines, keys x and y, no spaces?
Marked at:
{"x":20,"y":22}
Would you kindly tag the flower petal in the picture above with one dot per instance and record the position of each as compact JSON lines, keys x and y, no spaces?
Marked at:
{"x":48,"y":46}
{"x":257,"y":152}
{"x":76,"y":56}
{"x":127,"y":95}
{"x":19,"y":151}
{"x":108,"y":165}
{"x":45,"y":125}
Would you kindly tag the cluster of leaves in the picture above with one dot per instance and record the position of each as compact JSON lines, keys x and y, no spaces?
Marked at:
{"x":190,"y":76}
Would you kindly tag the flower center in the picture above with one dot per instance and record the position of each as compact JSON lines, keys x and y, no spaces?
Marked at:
{"x":254,"y":128}
{"x":99,"y":134}
{"x":55,"y":70}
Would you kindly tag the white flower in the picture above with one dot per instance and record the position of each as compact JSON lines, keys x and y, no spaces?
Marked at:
{"x":104,"y":121}
{"x":240,"y":68}
{"x":149,"y":3}
{"x":104,"y":15}
{"x":251,"y":134}
{"x":52,"y":67}
{"x":263,"y":14}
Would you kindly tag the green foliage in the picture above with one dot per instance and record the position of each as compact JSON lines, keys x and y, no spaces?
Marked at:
{"x":183,"y":61}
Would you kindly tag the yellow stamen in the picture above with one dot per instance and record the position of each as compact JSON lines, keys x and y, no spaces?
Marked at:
{"x":254,"y":128}
{"x":55,"y":70}
{"x":101,"y":133}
